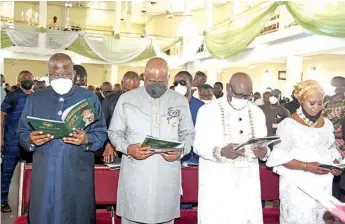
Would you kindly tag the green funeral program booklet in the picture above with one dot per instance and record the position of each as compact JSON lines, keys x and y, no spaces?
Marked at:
{"x":78,"y":116}
{"x":159,"y":145}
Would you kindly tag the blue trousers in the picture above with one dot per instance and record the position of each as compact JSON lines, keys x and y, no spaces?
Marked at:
{"x":8,"y":166}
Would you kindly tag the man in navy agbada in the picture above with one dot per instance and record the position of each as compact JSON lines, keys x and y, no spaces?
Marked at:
{"x":62,"y":184}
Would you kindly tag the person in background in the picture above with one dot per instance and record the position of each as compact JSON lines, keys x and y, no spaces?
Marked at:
{"x":183,"y":85}
{"x":80,"y":78}
{"x":117,"y":88}
{"x":54,"y":25}
{"x":293,"y":105}
{"x":229,"y":180}
{"x":206,"y":93}
{"x":98,"y":91}
{"x":129,"y":82}
{"x":39,"y":85}
{"x":266,"y":97}
{"x":306,"y":141}
{"x":14,"y":88}
{"x":3,"y":88}
{"x":141,"y":80}
{"x":91,"y":88}
{"x":218,"y":89}
{"x":164,"y":114}
{"x":8,"y":88}
{"x":274,"y":112}
{"x":257,"y":99}
{"x":11,"y":110}
{"x":335,"y":112}
{"x":106,"y":90}
{"x":200,"y":79}
{"x":62,"y":182}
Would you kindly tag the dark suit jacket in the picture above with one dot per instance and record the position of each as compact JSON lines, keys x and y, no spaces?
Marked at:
{"x":108,"y":106}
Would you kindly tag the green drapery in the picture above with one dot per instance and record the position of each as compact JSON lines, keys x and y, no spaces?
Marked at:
{"x":80,"y":47}
{"x":233,"y":36}
{"x":149,"y":51}
{"x":5,"y":40}
{"x":321,"y":17}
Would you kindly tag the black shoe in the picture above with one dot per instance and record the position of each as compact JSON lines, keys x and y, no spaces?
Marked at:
{"x":5,"y":208}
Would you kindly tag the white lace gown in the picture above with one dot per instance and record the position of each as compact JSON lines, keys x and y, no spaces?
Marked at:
{"x":305,"y":144}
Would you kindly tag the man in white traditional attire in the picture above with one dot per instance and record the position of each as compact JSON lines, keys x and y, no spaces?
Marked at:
{"x":150,"y":184}
{"x":229,"y":181}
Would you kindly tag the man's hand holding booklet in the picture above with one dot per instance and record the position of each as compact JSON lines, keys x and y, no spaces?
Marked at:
{"x":264,"y":141}
{"x":161,"y":146}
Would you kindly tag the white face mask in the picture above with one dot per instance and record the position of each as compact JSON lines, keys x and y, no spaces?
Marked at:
{"x":238,"y":104}
{"x":206,"y":101}
{"x":61,"y":86}
{"x":273,"y":100}
{"x":141,"y":83}
{"x":181,"y":89}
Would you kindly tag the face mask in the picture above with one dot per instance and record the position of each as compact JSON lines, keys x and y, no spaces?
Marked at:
{"x":3,"y":85}
{"x":26,"y":84}
{"x":61,"y":86}
{"x":141,"y":83}
{"x":273,"y":100}
{"x":181,"y":89}
{"x":83,"y":87}
{"x":156,"y":90}
{"x":237,"y":104}
{"x":311,"y":118}
{"x":206,"y":101}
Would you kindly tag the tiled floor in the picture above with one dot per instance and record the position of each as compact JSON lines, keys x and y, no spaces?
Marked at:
{"x":8,"y":218}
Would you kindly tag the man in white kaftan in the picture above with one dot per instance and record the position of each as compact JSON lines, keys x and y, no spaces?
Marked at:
{"x":150,"y":184}
{"x":229,"y":187}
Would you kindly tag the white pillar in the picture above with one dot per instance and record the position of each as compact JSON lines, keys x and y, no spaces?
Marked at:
{"x":212,"y":75}
{"x":294,"y":69}
{"x":129,"y":17}
{"x":285,"y":17}
{"x":209,"y":14}
{"x":117,"y":22}
{"x":43,"y":14}
{"x":2,"y":65}
{"x":114,"y":74}
{"x":235,"y":8}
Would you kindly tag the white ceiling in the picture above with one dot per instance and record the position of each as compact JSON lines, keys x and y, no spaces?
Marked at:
{"x":152,"y":8}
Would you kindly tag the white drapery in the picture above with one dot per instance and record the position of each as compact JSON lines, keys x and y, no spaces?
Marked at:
{"x":60,"y":40}
{"x":116,"y":51}
{"x":23,"y":37}
{"x":189,"y":50}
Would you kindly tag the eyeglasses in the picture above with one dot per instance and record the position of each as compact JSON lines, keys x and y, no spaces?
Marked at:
{"x":240,"y":96}
{"x":60,"y":75}
{"x":181,"y":82}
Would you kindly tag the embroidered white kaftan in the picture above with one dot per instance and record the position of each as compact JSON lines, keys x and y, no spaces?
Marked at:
{"x":305,"y":144}
{"x":229,"y":190}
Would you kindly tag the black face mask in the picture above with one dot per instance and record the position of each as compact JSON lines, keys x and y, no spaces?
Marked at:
{"x":156,"y":90}
{"x":26,"y":84}
{"x":312,"y":118}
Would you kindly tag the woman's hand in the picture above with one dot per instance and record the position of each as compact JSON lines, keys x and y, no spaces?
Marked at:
{"x":316,"y":169}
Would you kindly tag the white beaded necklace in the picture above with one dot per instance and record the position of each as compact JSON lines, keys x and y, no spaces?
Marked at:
{"x":225,"y":122}
{"x":305,"y":119}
